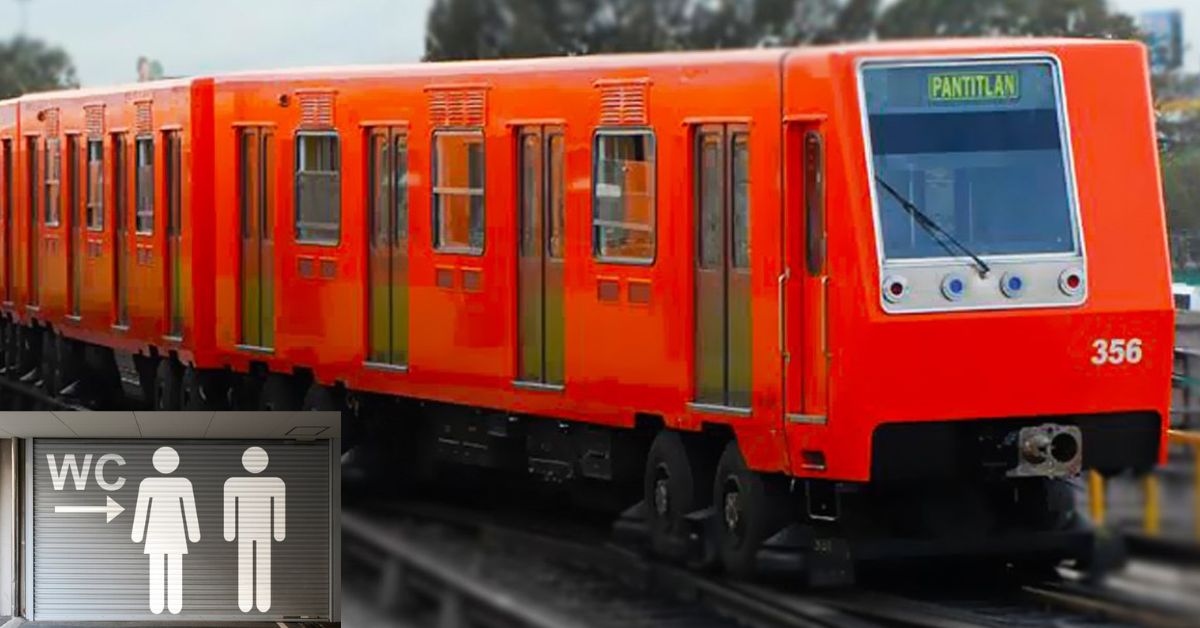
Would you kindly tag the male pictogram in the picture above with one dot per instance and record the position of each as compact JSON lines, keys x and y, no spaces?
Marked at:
{"x":254,"y":515}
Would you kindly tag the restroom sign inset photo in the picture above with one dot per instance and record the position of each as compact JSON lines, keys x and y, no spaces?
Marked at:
{"x":213,"y":530}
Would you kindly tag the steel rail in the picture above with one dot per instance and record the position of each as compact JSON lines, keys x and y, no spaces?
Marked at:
{"x":412,"y":556}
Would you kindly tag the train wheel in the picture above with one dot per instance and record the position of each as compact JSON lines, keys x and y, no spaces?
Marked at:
{"x":277,"y":394}
{"x":167,"y":385}
{"x":675,"y":484}
{"x":750,"y":508}
{"x":320,"y":398}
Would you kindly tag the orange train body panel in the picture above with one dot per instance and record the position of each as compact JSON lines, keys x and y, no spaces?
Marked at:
{"x":830,"y":358}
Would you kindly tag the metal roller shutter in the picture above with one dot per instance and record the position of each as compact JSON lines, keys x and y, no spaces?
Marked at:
{"x":86,"y":566}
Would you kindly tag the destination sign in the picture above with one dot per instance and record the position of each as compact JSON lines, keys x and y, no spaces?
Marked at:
{"x":974,"y":86}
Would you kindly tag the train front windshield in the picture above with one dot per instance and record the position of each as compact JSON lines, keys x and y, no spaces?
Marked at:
{"x":978,"y":148}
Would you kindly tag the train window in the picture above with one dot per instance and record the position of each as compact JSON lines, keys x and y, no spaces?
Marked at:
{"x":979,"y":148}
{"x":814,"y":202}
{"x":712,"y":201}
{"x":174,"y":167}
{"x":458,"y":192}
{"x":623,"y":202}
{"x":32,"y":180}
{"x":400,"y":174}
{"x":95,"y":185}
{"x":318,"y":188}
{"x":557,"y":200}
{"x":120,"y":181}
{"x":143,"y":184}
{"x":740,"y":157}
{"x":51,"y":183}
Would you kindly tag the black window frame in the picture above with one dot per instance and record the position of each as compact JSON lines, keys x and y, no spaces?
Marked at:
{"x":299,"y":227}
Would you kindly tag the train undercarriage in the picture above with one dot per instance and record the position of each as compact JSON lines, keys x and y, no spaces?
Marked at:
{"x":950,"y":492}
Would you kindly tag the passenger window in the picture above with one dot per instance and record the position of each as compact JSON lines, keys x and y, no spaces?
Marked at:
{"x":120,"y":184}
{"x":144,"y":186}
{"x":623,"y":203}
{"x":51,"y":183}
{"x":174,"y":166}
{"x":814,"y":201}
{"x":318,"y":188}
{"x":458,"y":192}
{"x":740,"y":150}
{"x":557,"y":199}
{"x":95,"y":185}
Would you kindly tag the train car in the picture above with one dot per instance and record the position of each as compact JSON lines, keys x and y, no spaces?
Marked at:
{"x":886,"y":298}
{"x":113,"y":242}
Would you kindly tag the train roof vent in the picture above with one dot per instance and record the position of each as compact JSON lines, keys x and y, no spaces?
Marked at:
{"x":50,"y":117}
{"x":94,"y":115}
{"x":457,"y":105}
{"x":144,"y":122}
{"x":623,"y":102}
{"x":316,"y":108}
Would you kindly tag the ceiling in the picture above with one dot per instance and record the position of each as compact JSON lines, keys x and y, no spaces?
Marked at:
{"x":69,"y":424}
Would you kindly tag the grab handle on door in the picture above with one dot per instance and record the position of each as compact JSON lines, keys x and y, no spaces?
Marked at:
{"x":783,"y":277}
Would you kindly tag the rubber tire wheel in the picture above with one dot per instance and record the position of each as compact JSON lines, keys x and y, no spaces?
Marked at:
{"x":762,"y":510}
{"x":319,"y":399}
{"x":685,"y":492}
{"x":277,"y":395}
{"x":167,"y":386}
{"x":50,"y":369}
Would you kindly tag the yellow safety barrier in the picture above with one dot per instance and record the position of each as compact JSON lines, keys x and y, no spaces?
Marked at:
{"x":1152,"y":514}
{"x":1152,"y":505}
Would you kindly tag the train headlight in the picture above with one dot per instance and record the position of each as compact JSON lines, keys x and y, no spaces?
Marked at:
{"x":895,"y":288}
{"x":1071,"y":282}
{"x":1012,"y":285}
{"x":953,"y":287}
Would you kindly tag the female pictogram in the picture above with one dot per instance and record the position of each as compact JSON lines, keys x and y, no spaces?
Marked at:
{"x":164,"y":505}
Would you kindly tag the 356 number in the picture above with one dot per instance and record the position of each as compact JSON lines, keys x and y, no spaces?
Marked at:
{"x":1117,"y":351}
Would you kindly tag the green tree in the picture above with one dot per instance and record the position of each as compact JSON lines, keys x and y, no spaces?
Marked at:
{"x":30,"y":65}
{"x":475,"y":29}
{"x":974,"y":18}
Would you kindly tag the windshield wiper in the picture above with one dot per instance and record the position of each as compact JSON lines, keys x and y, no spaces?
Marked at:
{"x":935,"y":231}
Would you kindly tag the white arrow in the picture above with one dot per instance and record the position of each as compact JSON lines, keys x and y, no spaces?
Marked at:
{"x":112,"y":508}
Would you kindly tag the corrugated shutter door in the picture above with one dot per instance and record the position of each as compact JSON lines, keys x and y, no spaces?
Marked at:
{"x":85,"y":568}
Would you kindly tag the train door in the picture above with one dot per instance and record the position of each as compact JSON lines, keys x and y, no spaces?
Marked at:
{"x":257,"y":207}
{"x":722,"y":268}
{"x":121,"y":243}
{"x":32,"y":195}
{"x":74,"y":241}
{"x":387,"y":265}
{"x":804,"y":284}
{"x":540,"y":257}
{"x":174,"y":236}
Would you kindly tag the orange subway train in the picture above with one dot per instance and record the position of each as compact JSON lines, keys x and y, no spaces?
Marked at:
{"x":786,"y":297}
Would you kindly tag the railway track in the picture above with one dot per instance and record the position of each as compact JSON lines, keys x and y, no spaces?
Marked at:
{"x":517,"y":572}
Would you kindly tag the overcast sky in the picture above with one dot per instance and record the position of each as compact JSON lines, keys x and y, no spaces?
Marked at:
{"x":190,"y":37}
